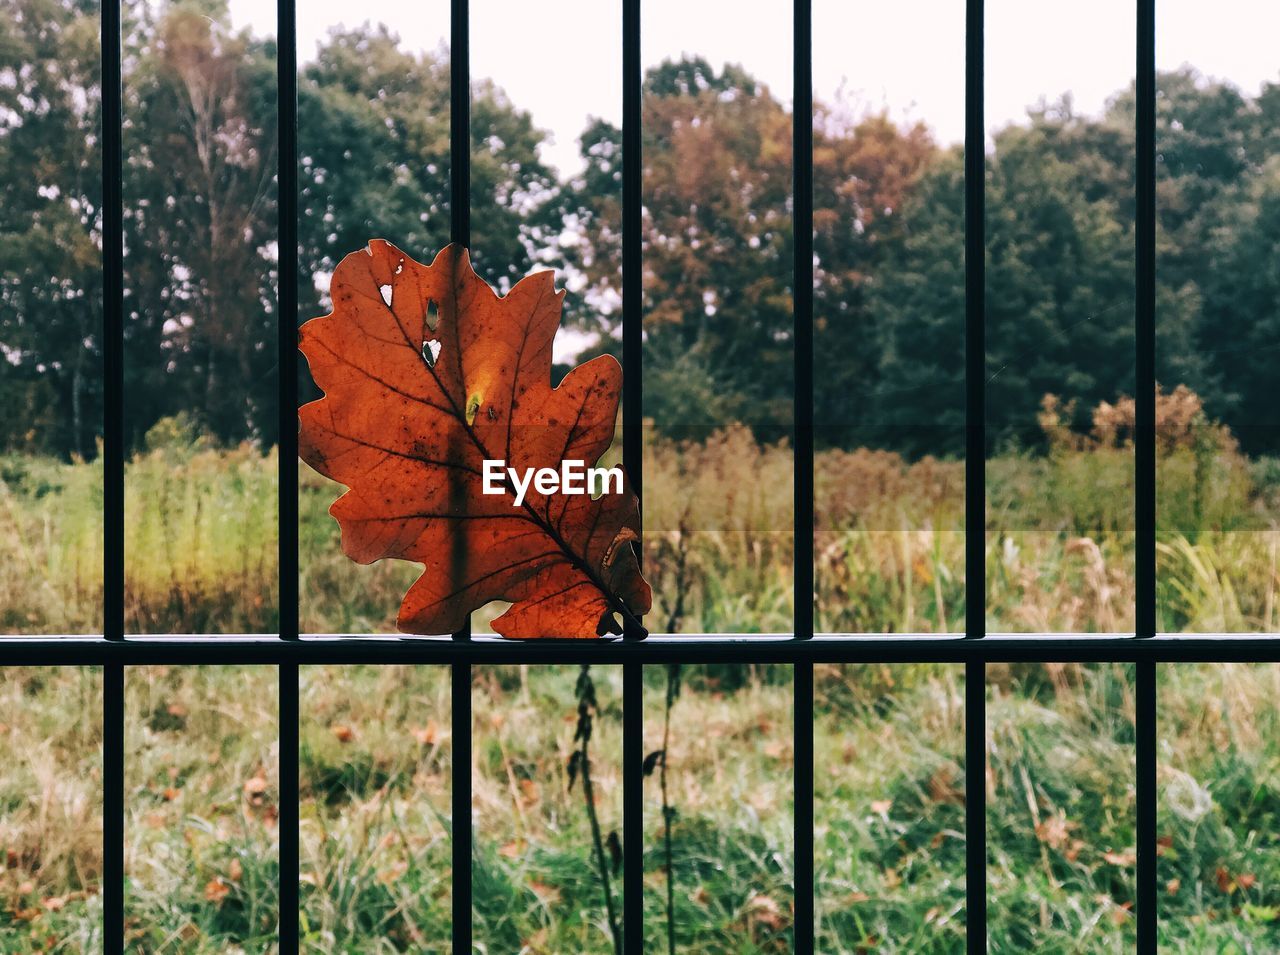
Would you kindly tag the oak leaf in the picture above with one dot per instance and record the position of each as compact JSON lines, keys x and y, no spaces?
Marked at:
{"x":427,"y":373}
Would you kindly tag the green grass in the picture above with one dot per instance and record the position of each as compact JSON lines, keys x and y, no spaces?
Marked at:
{"x":889,"y":741}
{"x":376,"y":754}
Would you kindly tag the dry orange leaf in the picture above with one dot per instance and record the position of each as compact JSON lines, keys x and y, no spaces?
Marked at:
{"x":216,"y":891}
{"x":510,"y":850}
{"x":427,"y":373}
{"x":547,"y":894}
{"x":764,"y":910}
{"x":1123,"y":859}
{"x":344,"y":734}
{"x":777,"y":749}
{"x":529,"y":793}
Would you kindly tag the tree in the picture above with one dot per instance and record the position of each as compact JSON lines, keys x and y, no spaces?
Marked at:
{"x":50,"y":226}
{"x":1060,"y":270}
{"x":200,"y":224}
{"x":717,"y":245}
{"x":374,"y":163}
{"x":865,"y":174}
{"x":1242,"y":312}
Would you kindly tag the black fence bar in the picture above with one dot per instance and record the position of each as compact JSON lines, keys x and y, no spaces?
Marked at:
{"x":1145,"y":725}
{"x":633,"y":464}
{"x":691,"y":649}
{"x":802,"y":403}
{"x":288,"y":850}
{"x":460,"y":121}
{"x":802,"y":806}
{"x":460,"y":671}
{"x":975,"y":503}
{"x":632,"y":261}
{"x":460,"y":813}
{"x":113,"y":626}
{"x":632,"y":808}
{"x":975,"y":803}
{"x":802,"y":306}
{"x":287,"y":475}
{"x":975,"y":329}
{"x":287,"y":299}
{"x":112,"y":804}
{"x":1144,"y":443}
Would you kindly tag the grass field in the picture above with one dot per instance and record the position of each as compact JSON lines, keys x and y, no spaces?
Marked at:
{"x":376,"y":755}
{"x":375,"y":763}
{"x":201,"y":547}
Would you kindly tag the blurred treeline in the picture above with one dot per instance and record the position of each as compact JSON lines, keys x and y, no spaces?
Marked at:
{"x":201,"y":228}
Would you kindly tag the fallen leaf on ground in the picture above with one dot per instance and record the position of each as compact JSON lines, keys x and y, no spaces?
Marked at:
{"x":216,"y":891}
{"x":765,"y":911}
{"x":1124,"y":859}
{"x":547,"y":894}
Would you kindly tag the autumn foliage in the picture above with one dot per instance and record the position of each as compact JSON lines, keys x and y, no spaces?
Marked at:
{"x":427,"y":373}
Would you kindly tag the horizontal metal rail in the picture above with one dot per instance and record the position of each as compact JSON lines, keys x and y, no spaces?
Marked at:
{"x":318,"y":649}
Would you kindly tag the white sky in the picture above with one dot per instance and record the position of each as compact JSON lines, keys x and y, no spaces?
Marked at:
{"x":564,"y":63}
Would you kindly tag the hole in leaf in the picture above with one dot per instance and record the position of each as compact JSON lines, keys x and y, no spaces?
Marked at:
{"x":386,"y":294}
{"x":430,"y":352}
{"x":433,"y":314}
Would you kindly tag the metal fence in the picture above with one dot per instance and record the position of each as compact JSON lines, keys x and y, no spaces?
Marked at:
{"x":801,"y":648}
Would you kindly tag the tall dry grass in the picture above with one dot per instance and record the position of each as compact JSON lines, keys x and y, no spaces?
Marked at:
{"x":718,"y":518}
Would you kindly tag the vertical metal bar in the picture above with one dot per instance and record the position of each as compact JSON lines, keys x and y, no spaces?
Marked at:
{"x":287,"y":475}
{"x":460,"y":122}
{"x":975,"y":736}
{"x":1145,"y":465}
{"x":287,"y":728}
{"x":802,"y":305}
{"x":113,"y":624}
{"x":632,"y":808}
{"x":1144,"y":444}
{"x":632,"y":262}
{"x":975,"y":320}
{"x":802,"y":688}
{"x":633,"y":463}
{"x":802,"y":319}
{"x":975,"y":807}
{"x":460,"y":813}
{"x":113,"y":808}
{"x":287,"y":299}
{"x":1145,"y":758}
{"x":460,"y":673}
